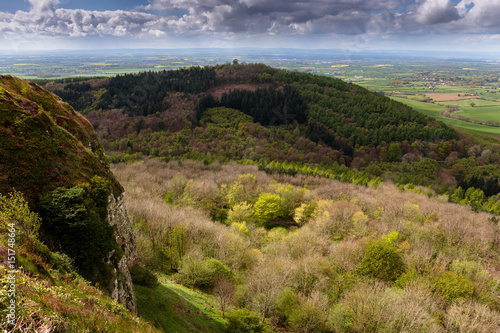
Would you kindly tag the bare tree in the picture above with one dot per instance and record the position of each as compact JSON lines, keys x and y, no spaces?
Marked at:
{"x":223,"y":292}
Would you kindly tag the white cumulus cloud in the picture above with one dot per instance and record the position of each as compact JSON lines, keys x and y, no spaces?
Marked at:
{"x":243,"y":19}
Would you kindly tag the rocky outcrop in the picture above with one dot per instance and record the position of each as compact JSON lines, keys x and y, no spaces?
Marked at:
{"x":44,"y":146}
{"x":122,"y":287}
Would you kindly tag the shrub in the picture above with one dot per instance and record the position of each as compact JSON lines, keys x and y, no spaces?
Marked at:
{"x":382,"y":261}
{"x":218,"y":268}
{"x":16,"y":209}
{"x":244,"y":321}
{"x":470,"y":269}
{"x":404,"y":279}
{"x":78,"y":219}
{"x":268,"y":206}
{"x":285,"y":303}
{"x":202,"y":274}
{"x":454,"y":286}
{"x":308,"y":317}
{"x":143,"y":277}
{"x":341,"y":318}
{"x":241,"y":212}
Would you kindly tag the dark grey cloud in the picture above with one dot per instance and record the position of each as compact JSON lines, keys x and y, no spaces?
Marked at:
{"x":483,"y":15}
{"x":283,"y":16}
{"x":241,"y":19}
{"x":437,"y":11}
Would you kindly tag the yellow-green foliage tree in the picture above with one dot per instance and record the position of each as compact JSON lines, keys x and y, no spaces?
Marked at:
{"x":382,"y":259}
{"x":267,"y":207}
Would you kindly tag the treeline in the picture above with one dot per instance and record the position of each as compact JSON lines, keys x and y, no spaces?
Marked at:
{"x":78,"y":95}
{"x":138,"y":94}
{"x":335,"y":171}
{"x":144,"y":93}
{"x":267,"y":106}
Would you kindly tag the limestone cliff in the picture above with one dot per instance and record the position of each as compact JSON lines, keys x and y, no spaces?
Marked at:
{"x":52,"y":155}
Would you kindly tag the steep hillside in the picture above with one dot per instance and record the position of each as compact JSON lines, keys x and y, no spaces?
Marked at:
{"x":40,"y":291}
{"x":51,"y":154}
{"x":352,"y":259}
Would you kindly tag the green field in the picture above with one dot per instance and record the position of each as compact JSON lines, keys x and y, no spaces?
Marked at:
{"x":476,"y":101}
{"x":434,"y":111}
{"x":488,"y":113}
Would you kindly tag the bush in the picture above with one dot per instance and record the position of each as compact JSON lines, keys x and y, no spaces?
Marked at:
{"x":16,"y":209}
{"x":202,"y":274}
{"x":470,"y":269}
{"x":143,"y":277}
{"x":308,"y":317}
{"x":454,"y":286}
{"x":193,"y":273}
{"x":382,"y":261}
{"x":244,"y":321}
{"x":404,"y":279}
{"x":268,"y":206}
{"x":285,"y":304}
{"x":77,"y":218}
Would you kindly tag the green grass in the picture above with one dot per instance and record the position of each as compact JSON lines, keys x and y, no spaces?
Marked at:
{"x":175,"y":308}
{"x":433,"y":110}
{"x":476,"y":101}
{"x":483,"y":113}
{"x":429,"y":109}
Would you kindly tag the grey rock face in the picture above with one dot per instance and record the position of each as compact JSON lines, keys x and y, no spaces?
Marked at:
{"x":122,"y":287}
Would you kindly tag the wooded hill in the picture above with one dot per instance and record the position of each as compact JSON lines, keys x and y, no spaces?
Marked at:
{"x":258,"y":114}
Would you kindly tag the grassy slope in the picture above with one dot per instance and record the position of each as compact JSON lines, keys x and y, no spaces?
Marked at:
{"x":175,"y":308}
{"x":434,"y":110}
{"x":486,"y":113}
{"x":52,"y":298}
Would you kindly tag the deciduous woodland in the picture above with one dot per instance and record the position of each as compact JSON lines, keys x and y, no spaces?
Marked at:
{"x":309,"y":254}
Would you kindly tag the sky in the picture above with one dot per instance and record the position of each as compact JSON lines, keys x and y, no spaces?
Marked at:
{"x":357,"y":25}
